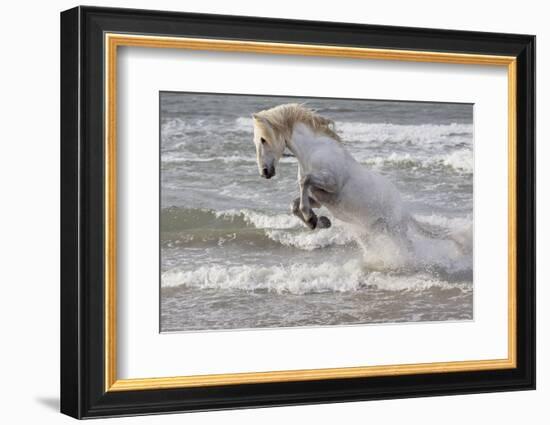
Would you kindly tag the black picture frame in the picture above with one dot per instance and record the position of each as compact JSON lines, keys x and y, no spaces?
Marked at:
{"x":83,"y":392}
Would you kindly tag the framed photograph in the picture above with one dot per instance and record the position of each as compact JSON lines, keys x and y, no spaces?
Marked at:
{"x":261,"y":212}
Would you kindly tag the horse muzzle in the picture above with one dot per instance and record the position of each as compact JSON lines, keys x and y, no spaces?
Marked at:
{"x":268,"y":172}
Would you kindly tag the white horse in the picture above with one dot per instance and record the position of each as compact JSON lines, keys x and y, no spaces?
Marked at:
{"x":328,"y":175}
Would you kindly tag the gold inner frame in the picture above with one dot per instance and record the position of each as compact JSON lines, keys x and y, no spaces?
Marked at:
{"x":113,"y":41}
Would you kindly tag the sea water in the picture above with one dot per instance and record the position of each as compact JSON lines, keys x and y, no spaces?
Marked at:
{"x":234,"y":257}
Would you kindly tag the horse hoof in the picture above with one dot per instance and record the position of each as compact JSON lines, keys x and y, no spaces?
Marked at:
{"x":312,"y":222}
{"x":323,"y":223}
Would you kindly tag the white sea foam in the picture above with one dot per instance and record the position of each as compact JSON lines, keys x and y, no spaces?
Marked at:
{"x":309,"y":240}
{"x":382,"y":250}
{"x":460,"y":232}
{"x":260,"y":220}
{"x":454,"y":251}
{"x":382,"y":259}
{"x":293,"y":278}
{"x":385,"y":132}
{"x":171,"y":157}
{"x":185,"y":157}
{"x":350,"y":275}
{"x":460,"y":160}
{"x":244,"y":123}
{"x":416,"y":282}
{"x":175,"y":125}
{"x":288,"y":230}
{"x":451,"y":223}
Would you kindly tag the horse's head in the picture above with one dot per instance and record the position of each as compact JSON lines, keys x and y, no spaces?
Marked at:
{"x":270,"y":145}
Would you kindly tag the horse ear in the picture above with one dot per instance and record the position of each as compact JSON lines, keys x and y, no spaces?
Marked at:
{"x":262,"y":119}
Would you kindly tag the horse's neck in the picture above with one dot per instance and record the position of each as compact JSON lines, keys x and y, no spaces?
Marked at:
{"x":303,"y":143}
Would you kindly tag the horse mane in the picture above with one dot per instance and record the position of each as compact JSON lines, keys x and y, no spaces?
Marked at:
{"x":283,"y":118}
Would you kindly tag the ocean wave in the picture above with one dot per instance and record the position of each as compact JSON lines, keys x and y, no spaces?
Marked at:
{"x":301,"y":278}
{"x":386,"y":132}
{"x":459,"y":161}
{"x":200,"y":226}
{"x":365,"y":132}
{"x":426,"y":137}
{"x":203,"y":226}
{"x":171,"y":157}
{"x":186,"y":157}
{"x":307,"y":240}
{"x":176,"y":218}
{"x":415,"y":282}
{"x":460,"y":232}
{"x":451,"y":223}
{"x":178,"y":126}
{"x":244,"y":123}
{"x":261,"y":220}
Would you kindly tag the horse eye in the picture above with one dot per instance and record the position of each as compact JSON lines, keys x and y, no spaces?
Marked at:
{"x":262,"y":140}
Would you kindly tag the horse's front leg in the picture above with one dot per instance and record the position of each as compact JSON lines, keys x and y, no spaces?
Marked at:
{"x":321,"y":182}
{"x":322,"y":222}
